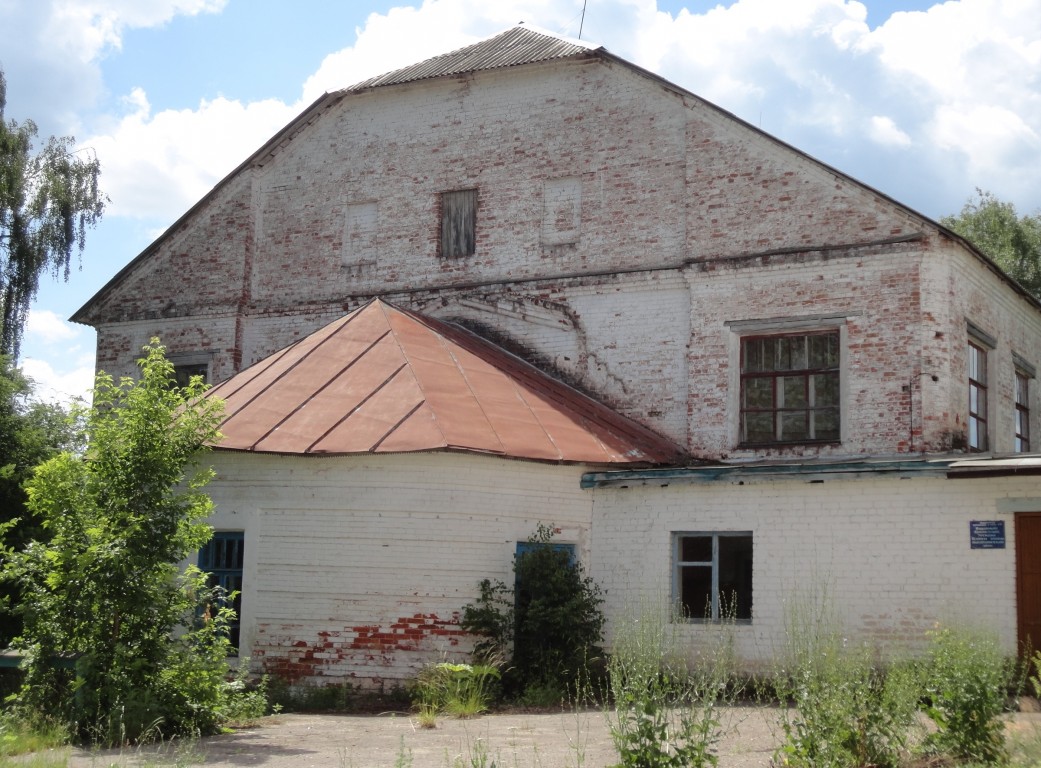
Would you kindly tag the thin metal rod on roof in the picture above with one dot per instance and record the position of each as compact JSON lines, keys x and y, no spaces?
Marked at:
{"x":583,"y":21}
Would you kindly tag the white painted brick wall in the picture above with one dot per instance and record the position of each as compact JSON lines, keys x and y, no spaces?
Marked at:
{"x":892,"y":555}
{"x":344,"y":554}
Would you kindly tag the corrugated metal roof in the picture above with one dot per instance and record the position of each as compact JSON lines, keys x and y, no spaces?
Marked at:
{"x":518,"y":45}
{"x":386,"y":380}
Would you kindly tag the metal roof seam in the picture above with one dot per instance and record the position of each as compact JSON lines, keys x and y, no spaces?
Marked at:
{"x":384,"y":307}
{"x":376,"y":446}
{"x":469,"y":386}
{"x":359,"y":406}
{"x":328,"y":382}
{"x":282,"y":353}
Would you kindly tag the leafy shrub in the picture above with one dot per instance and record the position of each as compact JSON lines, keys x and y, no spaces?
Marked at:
{"x":549,"y":624}
{"x":967,"y":683}
{"x":246,"y":702}
{"x":106,"y":589}
{"x":666,"y":707}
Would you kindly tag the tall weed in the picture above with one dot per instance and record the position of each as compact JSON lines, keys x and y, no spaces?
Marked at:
{"x":968,"y":680}
{"x":20,"y":735}
{"x":842,"y":707}
{"x":666,"y":707}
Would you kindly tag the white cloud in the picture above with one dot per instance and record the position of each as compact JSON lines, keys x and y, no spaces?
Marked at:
{"x":49,"y":328}
{"x":61,"y":386}
{"x":884,"y":131}
{"x":158,"y":166}
{"x":53,"y":48}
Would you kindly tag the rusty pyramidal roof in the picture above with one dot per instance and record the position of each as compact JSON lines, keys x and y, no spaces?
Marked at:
{"x":385,"y":380}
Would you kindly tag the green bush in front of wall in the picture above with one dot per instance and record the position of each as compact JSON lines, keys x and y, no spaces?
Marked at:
{"x":549,"y":625}
{"x":841,"y":705}
{"x":967,"y":681}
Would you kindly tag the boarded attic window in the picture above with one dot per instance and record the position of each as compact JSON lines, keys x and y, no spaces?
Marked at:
{"x":459,"y":223}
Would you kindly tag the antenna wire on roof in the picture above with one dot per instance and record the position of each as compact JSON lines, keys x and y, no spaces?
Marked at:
{"x":583,"y":21}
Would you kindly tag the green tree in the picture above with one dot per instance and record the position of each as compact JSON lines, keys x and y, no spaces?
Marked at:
{"x":106,"y":595}
{"x":1012,"y":241}
{"x":30,"y":433}
{"x":47,"y":201}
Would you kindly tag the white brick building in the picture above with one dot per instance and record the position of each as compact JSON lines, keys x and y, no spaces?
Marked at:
{"x":821,"y":354}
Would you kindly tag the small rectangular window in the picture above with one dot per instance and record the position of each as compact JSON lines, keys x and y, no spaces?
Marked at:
{"x":712,"y":577}
{"x":977,"y":397}
{"x":222,"y":558}
{"x":459,"y":223}
{"x":790,"y":389}
{"x":1022,"y":412}
{"x":183,"y":373}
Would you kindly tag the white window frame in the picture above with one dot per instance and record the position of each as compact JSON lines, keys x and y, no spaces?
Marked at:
{"x":677,"y":570}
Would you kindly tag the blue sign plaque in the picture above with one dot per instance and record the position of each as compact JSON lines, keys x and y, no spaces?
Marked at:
{"x":987,"y":534}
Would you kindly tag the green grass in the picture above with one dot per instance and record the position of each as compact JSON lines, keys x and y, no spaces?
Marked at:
{"x":19,"y":737}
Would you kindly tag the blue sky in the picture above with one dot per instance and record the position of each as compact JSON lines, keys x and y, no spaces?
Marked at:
{"x":923,"y":101}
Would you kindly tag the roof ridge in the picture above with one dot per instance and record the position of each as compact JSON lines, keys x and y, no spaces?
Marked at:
{"x":383,"y":307}
{"x":517,"y":45}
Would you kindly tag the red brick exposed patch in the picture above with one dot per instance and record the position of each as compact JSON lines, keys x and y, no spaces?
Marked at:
{"x":365,"y":652}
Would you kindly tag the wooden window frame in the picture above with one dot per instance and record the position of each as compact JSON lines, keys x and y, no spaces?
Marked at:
{"x":777,"y":408}
{"x":1022,"y":414}
{"x":978,"y":438}
{"x":717,"y":608}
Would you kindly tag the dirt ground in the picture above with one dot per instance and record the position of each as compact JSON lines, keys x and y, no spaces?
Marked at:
{"x":536,"y":740}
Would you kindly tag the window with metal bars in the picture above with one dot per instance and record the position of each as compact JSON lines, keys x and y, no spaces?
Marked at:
{"x":790,"y":388}
{"x":222,"y":558}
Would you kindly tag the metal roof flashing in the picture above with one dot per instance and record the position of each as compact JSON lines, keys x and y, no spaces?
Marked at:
{"x":741,"y":474}
{"x":996,"y":466}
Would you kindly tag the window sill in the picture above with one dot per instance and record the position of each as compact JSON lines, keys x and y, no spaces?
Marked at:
{"x":813,"y":443}
{"x":714,"y":622}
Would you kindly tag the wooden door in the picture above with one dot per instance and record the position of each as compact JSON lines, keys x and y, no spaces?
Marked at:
{"x":1028,"y":579}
